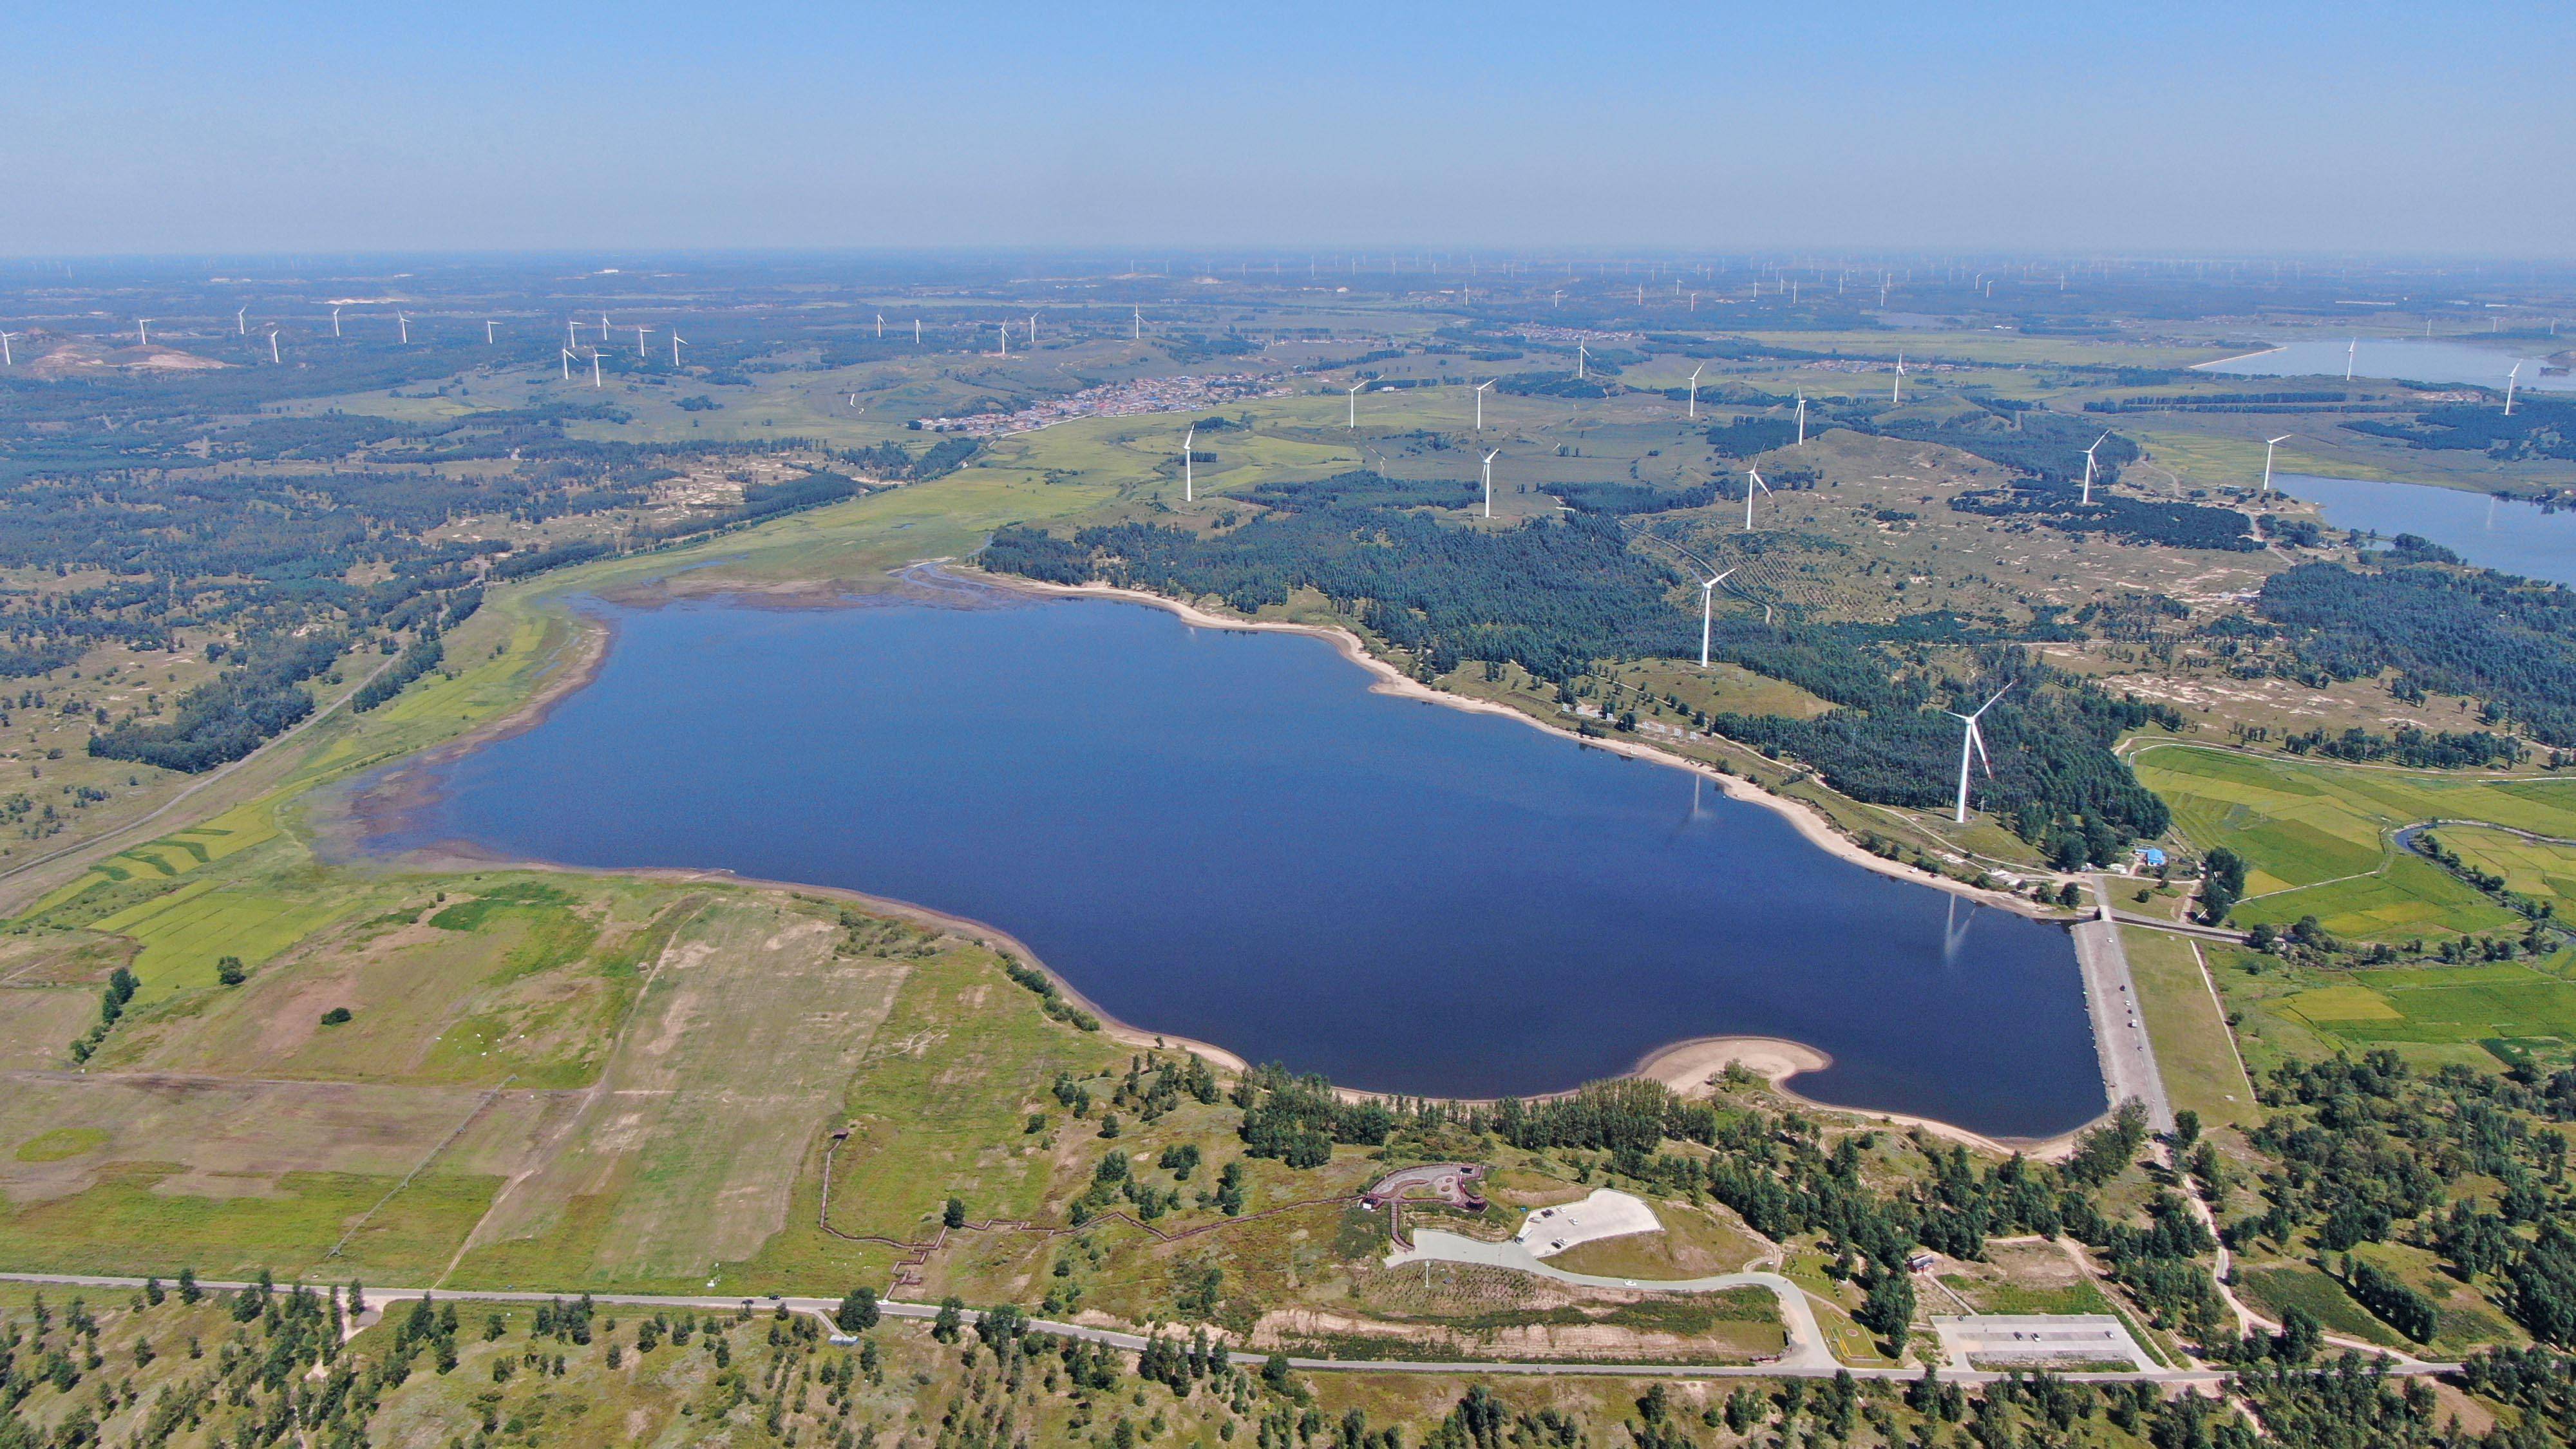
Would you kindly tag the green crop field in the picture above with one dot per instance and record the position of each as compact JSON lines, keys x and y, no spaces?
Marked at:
{"x":2193,"y":1052}
{"x":2319,"y":838}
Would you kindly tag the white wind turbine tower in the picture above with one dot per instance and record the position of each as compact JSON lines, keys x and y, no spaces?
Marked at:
{"x":1033,"y":331}
{"x":1754,"y":475}
{"x":1708,"y":612}
{"x":639,"y":342}
{"x":603,"y":329}
{"x":1694,"y":390}
{"x":404,"y":324}
{"x":241,"y":323}
{"x":6,"y":360}
{"x":335,"y":321}
{"x":2351,"y":351}
{"x":1582,"y":355}
{"x":2510,"y":379}
{"x":143,"y":330}
{"x":916,"y":332}
{"x":1189,"y":480}
{"x":676,"y":340}
{"x":1489,"y":481}
{"x":1136,"y":319}
{"x":880,"y":326}
{"x":1896,"y":394}
{"x":1480,"y":401}
{"x":1355,"y":403}
{"x":1802,"y":419}
{"x":487,"y":331}
{"x":1975,"y":741}
{"x":2088,"y":468}
{"x":1005,"y":330}
{"x":2268,"y":445}
{"x":594,"y":369}
{"x":572,"y":333}
{"x":272,"y":346}
{"x":567,"y":362}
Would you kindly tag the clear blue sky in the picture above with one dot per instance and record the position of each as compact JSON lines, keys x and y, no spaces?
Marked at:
{"x":2355,"y":127}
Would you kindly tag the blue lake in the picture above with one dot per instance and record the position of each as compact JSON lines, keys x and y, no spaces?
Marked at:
{"x":2497,"y":533}
{"x":2408,"y":359}
{"x":1228,"y":836}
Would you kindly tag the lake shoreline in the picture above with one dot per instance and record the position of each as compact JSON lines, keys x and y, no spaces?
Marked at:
{"x":372,"y":806}
{"x":1810,"y":824}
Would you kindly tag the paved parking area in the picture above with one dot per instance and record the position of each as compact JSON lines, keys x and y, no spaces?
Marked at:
{"x":2005,"y":1340}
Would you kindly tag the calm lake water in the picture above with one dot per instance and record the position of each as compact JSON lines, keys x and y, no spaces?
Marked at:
{"x":1226,"y":836}
{"x":2496,"y":533}
{"x":2409,"y":359}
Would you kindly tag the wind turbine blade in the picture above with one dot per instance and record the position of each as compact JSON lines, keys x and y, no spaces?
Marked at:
{"x":1990,"y":703}
{"x":1977,"y":738}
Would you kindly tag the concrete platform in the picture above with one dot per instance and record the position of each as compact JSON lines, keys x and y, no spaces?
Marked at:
{"x":1605,"y":1214}
{"x":2033,"y":1340}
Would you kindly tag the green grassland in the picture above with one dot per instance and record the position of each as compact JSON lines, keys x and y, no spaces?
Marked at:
{"x":2319,"y":838}
{"x":2194,"y":1052}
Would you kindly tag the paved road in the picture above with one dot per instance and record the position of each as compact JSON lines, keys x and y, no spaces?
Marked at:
{"x":378,"y":1297}
{"x":2180,"y":928}
{"x":2128,"y":1058}
{"x":1806,"y":1350}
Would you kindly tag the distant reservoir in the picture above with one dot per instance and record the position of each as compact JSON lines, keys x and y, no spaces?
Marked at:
{"x":1227,"y":836}
{"x":2497,"y":533}
{"x":2406,"y":359}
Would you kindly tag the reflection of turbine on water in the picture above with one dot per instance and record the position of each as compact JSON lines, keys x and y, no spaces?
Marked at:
{"x":1698,"y":784}
{"x":1954,"y":933}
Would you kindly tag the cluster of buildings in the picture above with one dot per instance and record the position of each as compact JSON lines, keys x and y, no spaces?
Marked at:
{"x":1117,"y":400}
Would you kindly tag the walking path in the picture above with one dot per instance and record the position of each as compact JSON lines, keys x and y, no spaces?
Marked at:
{"x":1806,"y":1348}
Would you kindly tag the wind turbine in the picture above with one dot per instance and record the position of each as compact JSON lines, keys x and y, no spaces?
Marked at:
{"x":1005,"y":330}
{"x":1189,"y":480}
{"x":881,"y":326}
{"x":603,"y":329}
{"x":916,"y":332}
{"x":1694,"y":390}
{"x":2088,"y":468}
{"x":1802,"y":419}
{"x":272,"y":346}
{"x":241,"y":322}
{"x":404,"y":324}
{"x":1136,"y":319}
{"x":1033,"y":331}
{"x":2268,"y":445}
{"x":6,"y":360}
{"x":335,"y":321}
{"x":143,"y":329}
{"x":487,"y":331}
{"x":1755,"y":474}
{"x":1489,"y":481}
{"x":594,"y":368}
{"x":1896,"y":394}
{"x":2510,"y":379}
{"x":1582,"y":355}
{"x":1480,"y":401}
{"x":1355,"y":403}
{"x":572,"y":333}
{"x":1707,"y":612}
{"x":567,"y":362}
{"x":1975,"y":741}
{"x":2351,"y":350}
{"x":639,"y":342}
{"x":676,"y":340}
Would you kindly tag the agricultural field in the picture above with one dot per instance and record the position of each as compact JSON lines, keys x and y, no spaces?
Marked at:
{"x":2319,"y":838}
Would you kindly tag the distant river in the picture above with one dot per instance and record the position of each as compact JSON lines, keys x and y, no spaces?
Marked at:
{"x":2496,"y":533}
{"x":1227,"y":836}
{"x":2408,"y":359}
